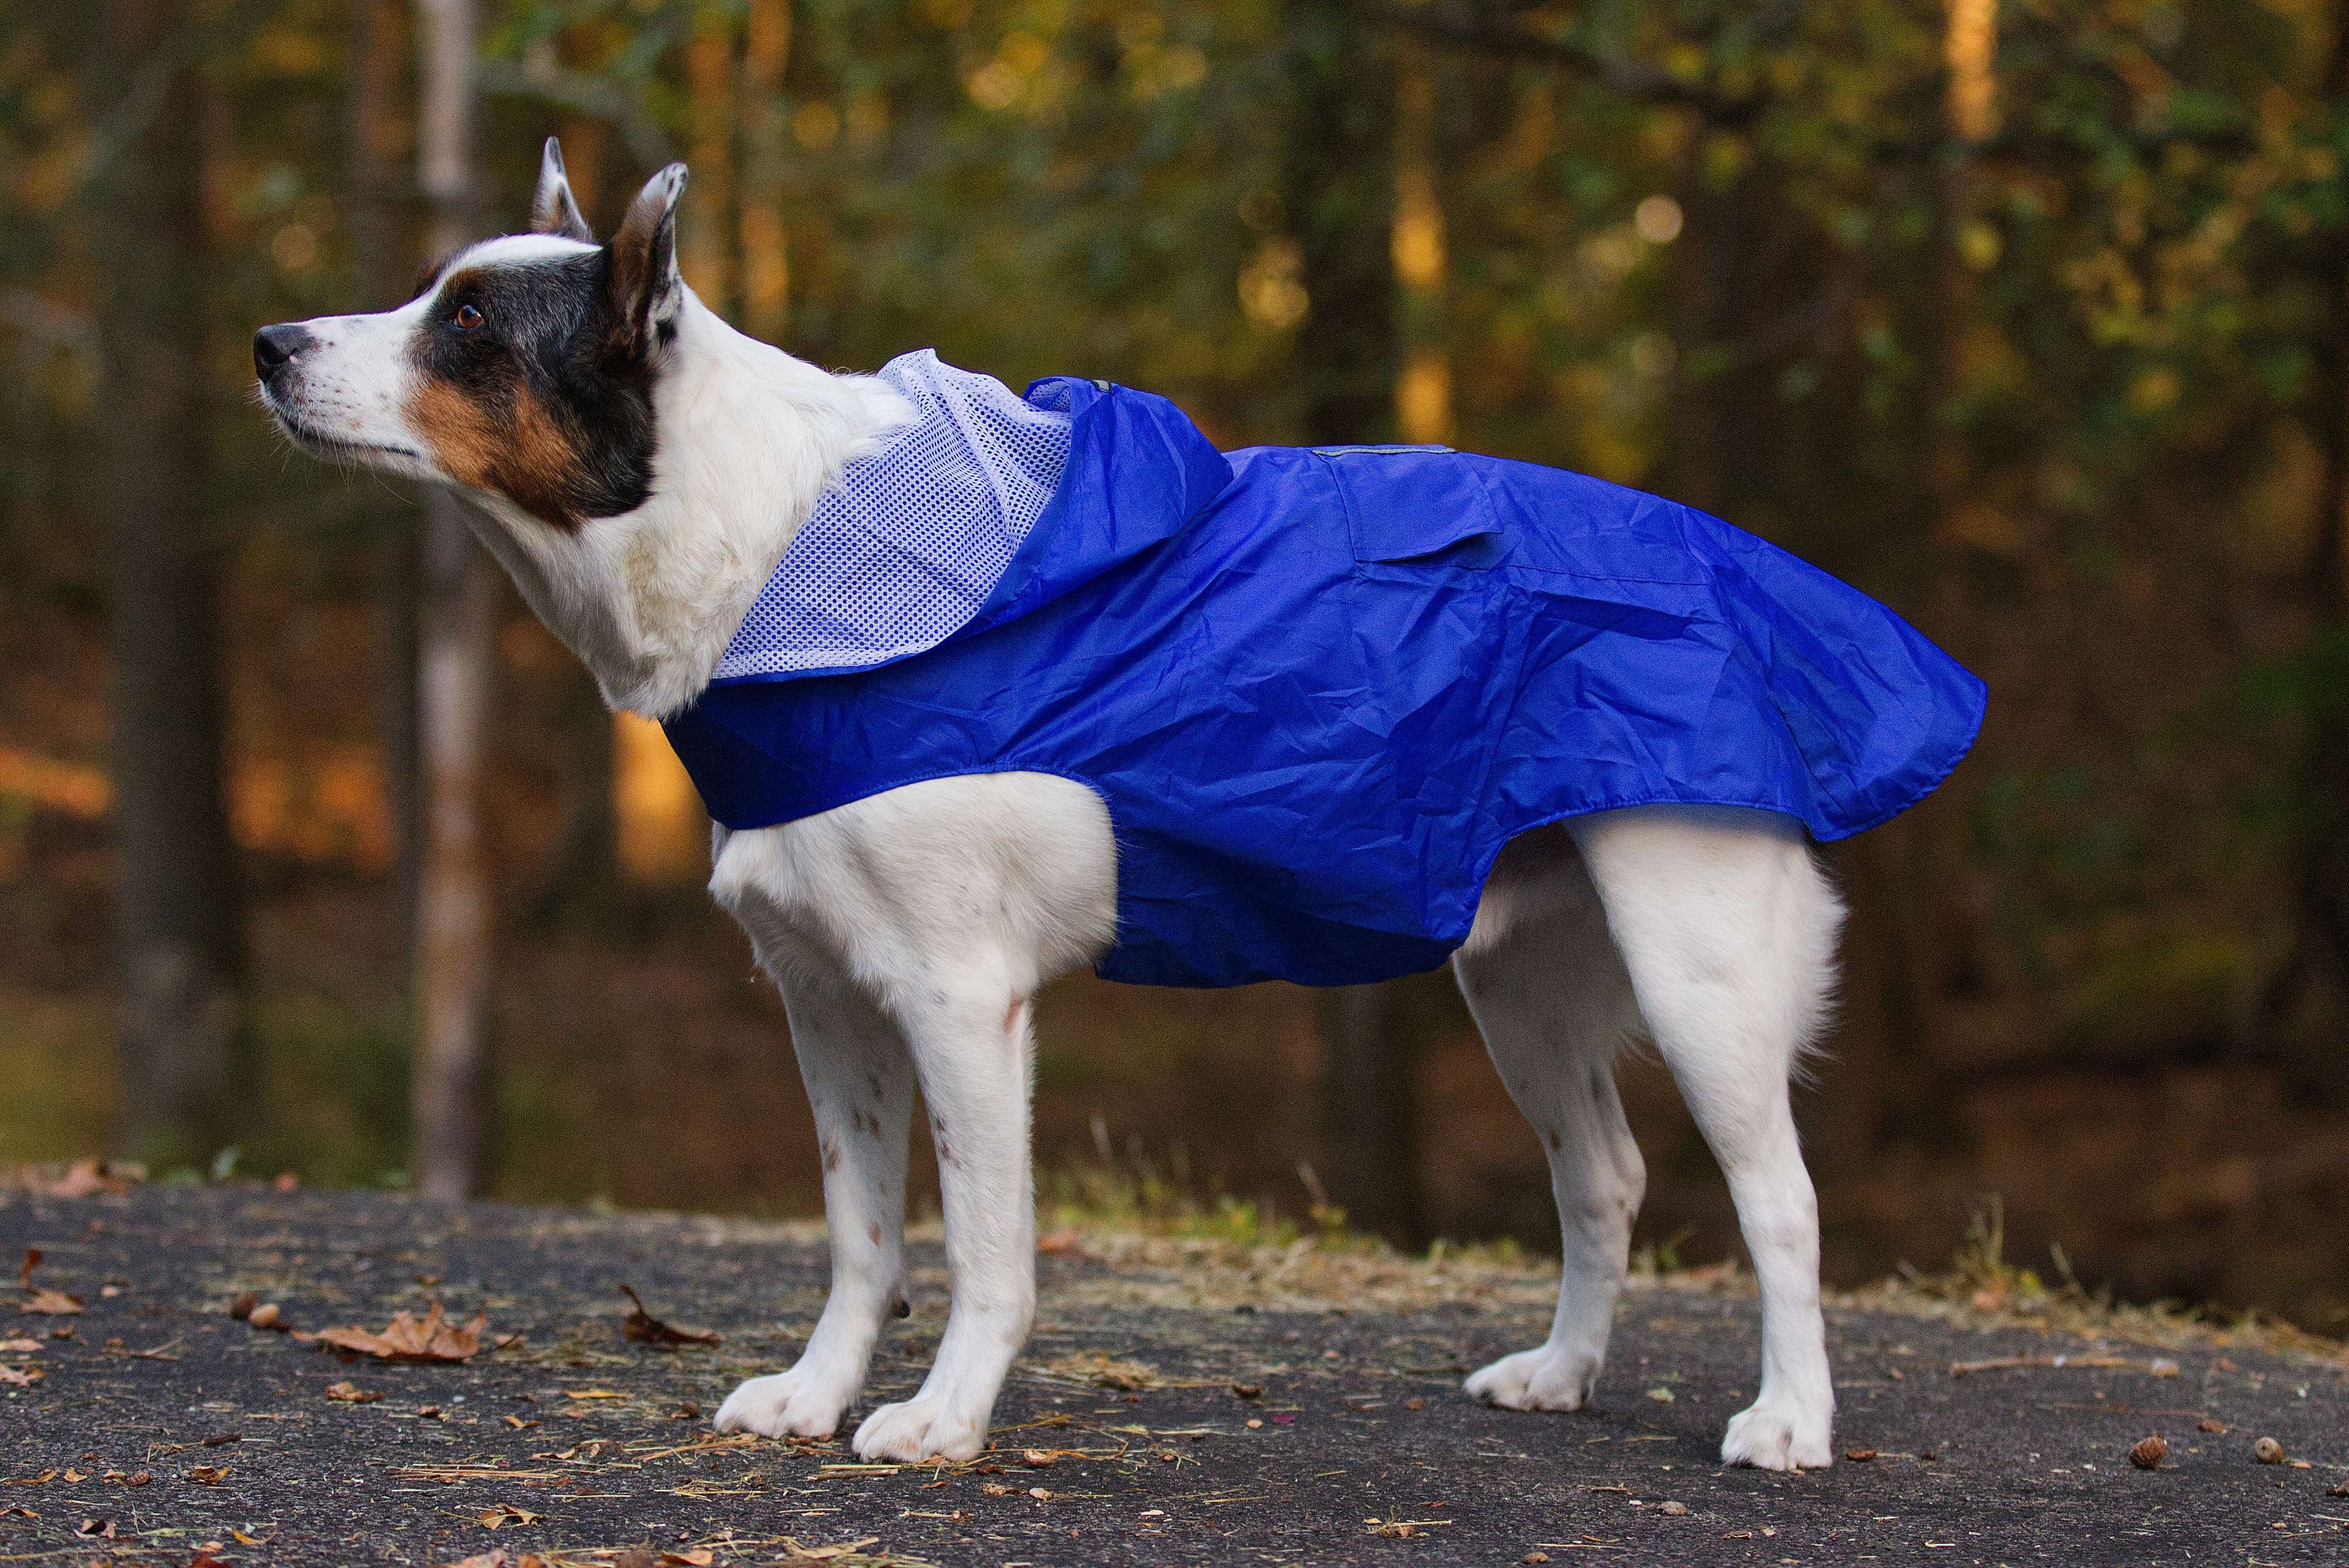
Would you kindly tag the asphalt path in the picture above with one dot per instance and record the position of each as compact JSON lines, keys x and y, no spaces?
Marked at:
{"x":1167,"y":1426}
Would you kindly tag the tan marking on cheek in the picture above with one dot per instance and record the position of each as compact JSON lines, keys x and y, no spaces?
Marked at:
{"x":520,"y":453}
{"x":457,"y":432}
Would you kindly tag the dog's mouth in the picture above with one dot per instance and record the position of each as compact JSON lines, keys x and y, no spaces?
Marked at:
{"x":324,"y":444}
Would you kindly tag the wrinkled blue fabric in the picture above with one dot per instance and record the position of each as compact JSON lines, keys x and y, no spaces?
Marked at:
{"x":1320,"y":689}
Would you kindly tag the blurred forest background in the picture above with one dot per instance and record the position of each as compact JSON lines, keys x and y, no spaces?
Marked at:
{"x":2028,"y":316}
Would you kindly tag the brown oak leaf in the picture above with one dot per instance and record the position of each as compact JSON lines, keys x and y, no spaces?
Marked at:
{"x":646,"y":1329}
{"x":435,"y":1338}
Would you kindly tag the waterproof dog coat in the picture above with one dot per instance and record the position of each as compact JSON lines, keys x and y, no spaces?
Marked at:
{"x":1317,"y":689}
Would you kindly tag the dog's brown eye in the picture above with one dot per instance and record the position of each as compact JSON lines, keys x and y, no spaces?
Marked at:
{"x":467,"y":318}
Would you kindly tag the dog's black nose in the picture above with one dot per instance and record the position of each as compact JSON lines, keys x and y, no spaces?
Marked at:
{"x":273,"y":347}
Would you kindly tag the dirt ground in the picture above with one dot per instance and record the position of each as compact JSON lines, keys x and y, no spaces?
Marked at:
{"x":1189,"y":1404}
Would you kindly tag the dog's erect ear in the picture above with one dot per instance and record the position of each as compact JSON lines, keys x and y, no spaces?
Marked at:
{"x":555,"y":210}
{"x":645,"y":287}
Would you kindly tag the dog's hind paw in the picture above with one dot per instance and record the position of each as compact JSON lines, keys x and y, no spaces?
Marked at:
{"x":1546,"y":1377}
{"x":1780,"y":1435}
{"x":793,"y":1404}
{"x":920,"y":1429}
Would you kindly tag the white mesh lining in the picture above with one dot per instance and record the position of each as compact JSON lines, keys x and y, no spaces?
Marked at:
{"x":905,"y":544}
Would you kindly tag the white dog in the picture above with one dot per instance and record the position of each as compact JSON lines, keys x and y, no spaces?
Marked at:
{"x":639,"y":467}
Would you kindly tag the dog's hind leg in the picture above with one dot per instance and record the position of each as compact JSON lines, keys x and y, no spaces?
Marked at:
{"x":859,"y":1082}
{"x":1549,"y":993}
{"x":1727,"y":928}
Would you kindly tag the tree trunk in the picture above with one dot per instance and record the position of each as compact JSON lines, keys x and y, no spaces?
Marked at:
{"x":2321,"y":942}
{"x":706,"y":235}
{"x":1341,"y":192}
{"x":1340,"y":176}
{"x":458,"y":602}
{"x":183,"y":1065}
{"x":376,"y":245}
{"x":1422,"y":388}
{"x":764,"y":243}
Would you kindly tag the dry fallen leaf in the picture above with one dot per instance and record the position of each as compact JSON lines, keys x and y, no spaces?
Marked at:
{"x":506,"y":1513}
{"x":207,"y":1475}
{"x":350,"y":1393}
{"x":406,"y":1340}
{"x":266,"y":1316}
{"x":84,"y":1177}
{"x":95,"y":1529}
{"x":2210,"y":1423}
{"x":20,"y":1376}
{"x":1039,"y":1459}
{"x":646,"y":1329}
{"x":19,"y":1346}
{"x":38,"y":1298}
{"x":1859,"y":1456}
{"x":795,"y":1552}
{"x":699,"y":1557}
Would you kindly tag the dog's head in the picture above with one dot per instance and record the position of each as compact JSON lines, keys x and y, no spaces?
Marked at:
{"x":526,"y":368}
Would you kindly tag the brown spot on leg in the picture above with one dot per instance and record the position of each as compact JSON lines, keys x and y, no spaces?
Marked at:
{"x":873,"y":1232}
{"x":831,"y":1153}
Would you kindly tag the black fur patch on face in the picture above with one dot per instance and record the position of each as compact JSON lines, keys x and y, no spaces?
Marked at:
{"x":532,"y":385}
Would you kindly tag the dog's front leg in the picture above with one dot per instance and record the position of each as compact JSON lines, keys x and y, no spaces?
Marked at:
{"x":972,"y":1048}
{"x":860,"y":1085}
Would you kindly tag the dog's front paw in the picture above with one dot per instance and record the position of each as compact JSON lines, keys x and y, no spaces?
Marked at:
{"x":1780,"y":1434}
{"x":920,"y":1429}
{"x":1548,"y":1377}
{"x":800,"y":1403}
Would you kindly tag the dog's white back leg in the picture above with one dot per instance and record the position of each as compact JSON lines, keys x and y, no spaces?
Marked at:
{"x":1549,"y":993}
{"x":973,"y":1049}
{"x":859,"y":1082}
{"x":1727,"y":928}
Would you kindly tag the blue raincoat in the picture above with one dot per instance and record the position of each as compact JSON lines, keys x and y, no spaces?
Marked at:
{"x":1320,"y":689}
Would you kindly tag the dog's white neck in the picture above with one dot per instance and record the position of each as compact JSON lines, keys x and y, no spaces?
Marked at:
{"x":747,"y":438}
